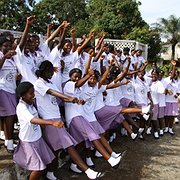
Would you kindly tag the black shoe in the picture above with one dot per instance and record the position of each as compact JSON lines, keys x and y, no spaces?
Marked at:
{"x":10,"y":150}
{"x":100,"y":175}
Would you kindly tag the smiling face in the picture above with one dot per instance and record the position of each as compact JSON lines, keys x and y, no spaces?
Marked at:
{"x":92,"y":81}
{"x":67,"y":47}
{"x":28,"y":97}
{"x":154,"y":76}
{"x":75,"y":77}
{"x":6,"y":46}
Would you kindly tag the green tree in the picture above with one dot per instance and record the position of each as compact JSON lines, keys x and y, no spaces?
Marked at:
{"x":170,"y":29}
{"x":14,"y":13}
{"x":147,"y":36}
{"x":54,"y":12}
{"x":117,"y":17}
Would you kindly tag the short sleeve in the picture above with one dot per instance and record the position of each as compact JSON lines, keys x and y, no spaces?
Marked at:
{"x":23,"y":113}
{"x":102,"y":88}
{"x":41,"y":87}
{"x":69,"y":88}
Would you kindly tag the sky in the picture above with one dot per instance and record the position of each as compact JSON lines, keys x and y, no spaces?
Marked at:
{"x":152,"y":10}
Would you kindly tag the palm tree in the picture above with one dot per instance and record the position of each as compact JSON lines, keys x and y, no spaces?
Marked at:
{"x":170,"y":30}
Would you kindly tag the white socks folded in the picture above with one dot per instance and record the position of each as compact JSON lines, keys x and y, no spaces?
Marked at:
{"x":133,"y":136}
{"x":115,"y":155}
{"x":74,"y":168}
{"x":114,"y":161}
{"x":50,"y":175}
{"x":98,"y":154}
{"x":10,"y":145}
{"x":89,"y":161}
{"x":91,"y":174}
{"x":146,"y":109}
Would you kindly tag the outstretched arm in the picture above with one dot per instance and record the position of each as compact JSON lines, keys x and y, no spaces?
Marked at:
{"x":115,"y":85}
{"x":62,"y":96}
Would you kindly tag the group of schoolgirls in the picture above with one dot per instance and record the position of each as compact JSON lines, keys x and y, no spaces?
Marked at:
{"x":98,"y":90}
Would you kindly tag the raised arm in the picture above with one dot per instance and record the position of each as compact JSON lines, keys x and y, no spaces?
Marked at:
{"x":121,"y":76}
{"x":173,"y":62}
{"x":55,"y":33}
{"x":100,"y":40}
{"x":29,"y":22}
{"x":105,"y":74}
{"x":83,"y":80}
{"x":99,"y":53}
{"x":80,"y":48}
{"x":64,"y":31}
{"x":49,"y":28}
{"x":88,"y":64}
{"x":74,"y":45}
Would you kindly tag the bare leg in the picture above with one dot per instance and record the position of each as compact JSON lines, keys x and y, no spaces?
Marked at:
{"x":131,"y":121}
{"x":9,"y":127}
{"x":167,"y":121}
{"x":126,"y":126}
{"x":161,"y":123}
{"x":76,"y":158}
{"x":35,"y":175}
{"x":106,"y":144}
{"x":171,"y":121}
{"x":101,"y":149}
{"x":155,"y":125}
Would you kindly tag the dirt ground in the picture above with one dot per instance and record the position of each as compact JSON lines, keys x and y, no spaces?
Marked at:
{"x":144,"y":160}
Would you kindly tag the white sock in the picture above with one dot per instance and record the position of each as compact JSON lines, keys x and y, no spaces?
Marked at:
{"x":114,"y":161}
{"x":50,"y":175}
{"x":146,"y":109}
{"x":133,"y":135}
{"x":98,"y":154}
{"x":74,"y":168}
{"x":114,"y":135}
{"x":141,"y":130}
{"x":91,"y":174}
{"x":89,"y":161}
{"x":115,"y":155}
{"x":5,"y":142}
{"x":10,"y":145}
{"x":111,"y":139}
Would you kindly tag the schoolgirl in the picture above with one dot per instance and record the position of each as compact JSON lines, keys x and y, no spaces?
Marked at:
{"x":8,"y":72}
{"x":32,"y":152}
{"x":156,"y":90}
{"x":79,"y":127}
{"x":46,"y":94}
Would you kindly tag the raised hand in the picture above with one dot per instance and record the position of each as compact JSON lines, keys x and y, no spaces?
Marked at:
{"x":30,"y":19}
{"x":9,"y":54}
{"x":173,"y":62}
{"x":91,"y":34}
{"x":90,"y":72}
{"x":73,"y":31}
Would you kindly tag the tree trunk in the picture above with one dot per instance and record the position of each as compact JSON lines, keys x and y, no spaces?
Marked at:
{"x":173,"y":51}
